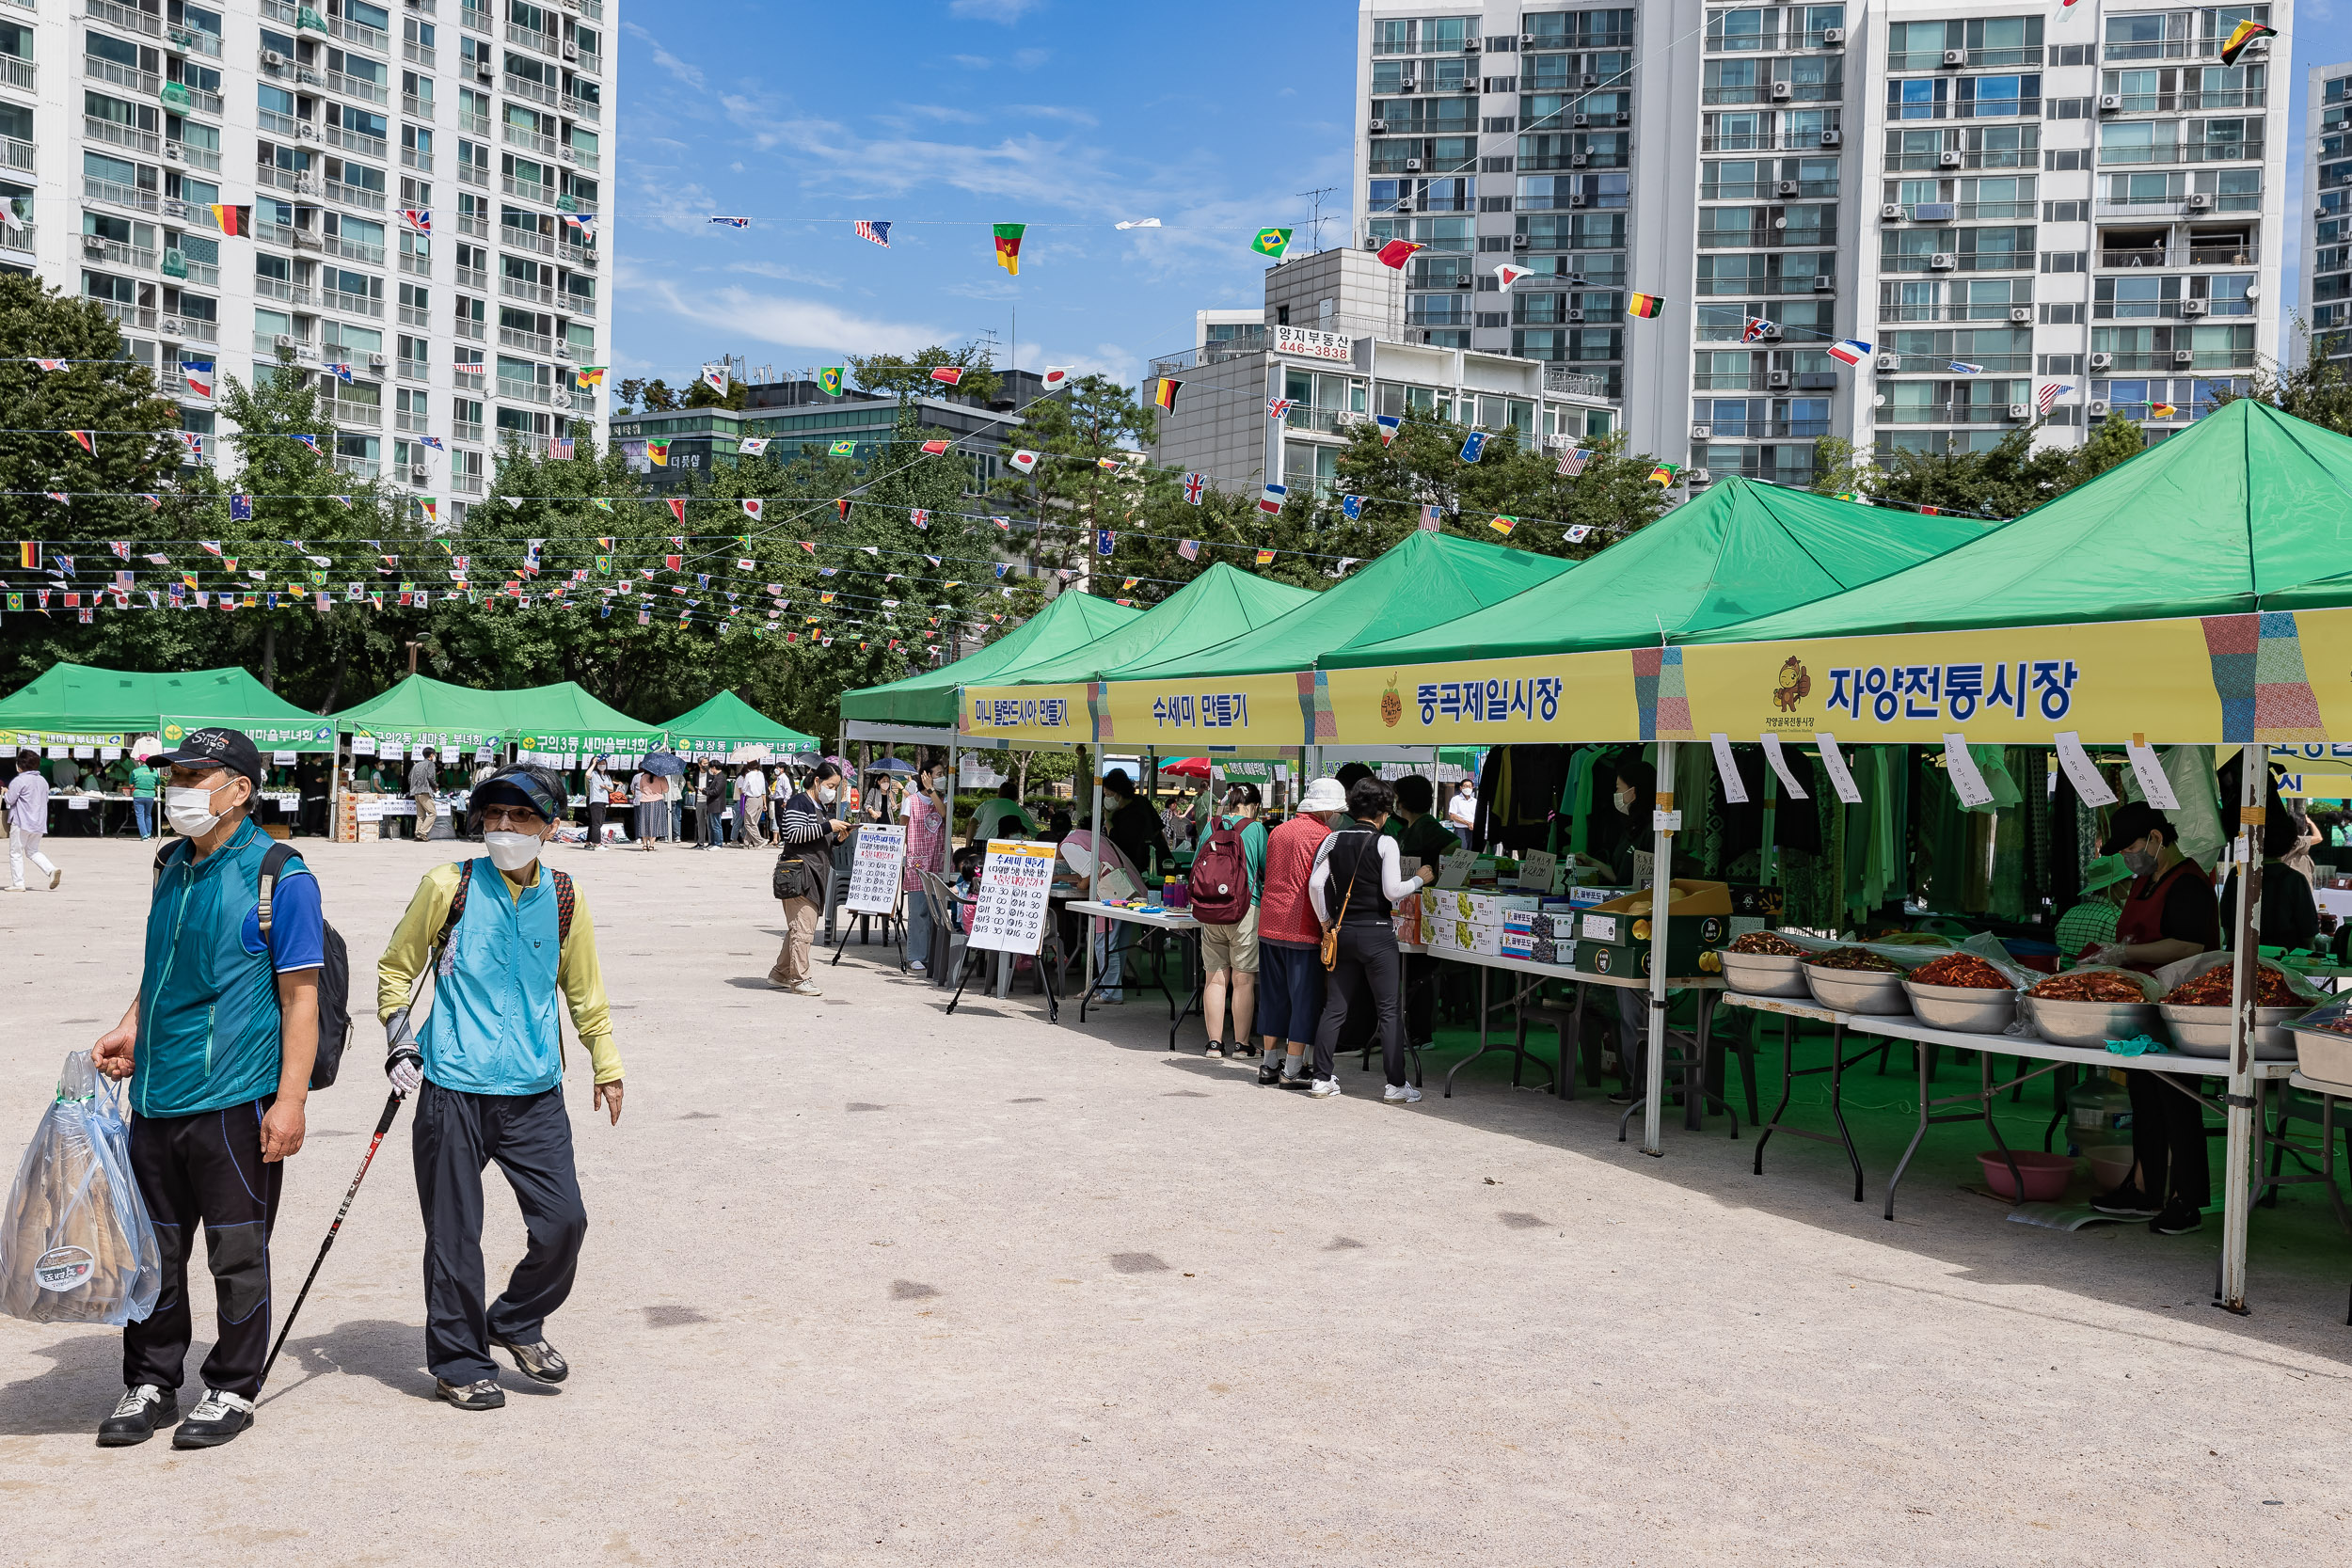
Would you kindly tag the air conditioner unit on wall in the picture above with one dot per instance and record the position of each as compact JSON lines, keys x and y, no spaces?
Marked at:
{"x":418,"y":471}
{"x":1378,"y":126}
{"x":1782,"y":92}
{"x":2195,"y":306}
{"x":1575,"y":315}
{"x":1955,"y":56}
{"x":1948,"y":160}
{"x":2098,"y":407}
{"x":2199,"y":202}
{"x":1833,"y":37}
{"x":1412,"y":165}
{"x":1775,"y":381}
{"x":1890,"y":361}
{"x":2110,"y":102}
{"x":1942,"y":261}
{"x":2021,"y":410}
{"x":1891,"y":212}
{"x":1823,"y":283}
{"x":1833,"y":138}
{"x":1519,"y":242}
{"x":1701,"y":432}
{"x":2021,"y":314}
{"x":1698,"y":476}
{"x":2183,"y":359}
{"x":2102,"y":361}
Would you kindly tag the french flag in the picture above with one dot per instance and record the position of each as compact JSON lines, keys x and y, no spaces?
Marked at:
{"x":1850,"y":351}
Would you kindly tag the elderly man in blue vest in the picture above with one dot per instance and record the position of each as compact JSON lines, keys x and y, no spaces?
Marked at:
{"x":504,"y":938}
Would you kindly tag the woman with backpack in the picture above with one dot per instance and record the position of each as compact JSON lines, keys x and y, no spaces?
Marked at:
{"x":1354,"y":883}
{"x":1223,"y":893}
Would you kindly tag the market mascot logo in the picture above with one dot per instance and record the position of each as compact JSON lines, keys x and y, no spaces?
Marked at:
{"x":1792,"y":686}
{"x":172,"y":733}
{"x":1391,"y":704}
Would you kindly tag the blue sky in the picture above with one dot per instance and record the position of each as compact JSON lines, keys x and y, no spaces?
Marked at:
{"x":945,"y":117}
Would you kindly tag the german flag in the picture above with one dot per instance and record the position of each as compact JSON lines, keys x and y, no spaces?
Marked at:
{"x":234,"y":220}
{"x":1009,"y":245}
{"x":28,"y":555}
{"x":1643,"y":306}
{"x":1163,"y":392}
{"x":2242,"y":35}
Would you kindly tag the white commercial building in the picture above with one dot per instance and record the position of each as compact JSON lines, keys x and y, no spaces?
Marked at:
{"x":2328,"y":210}
{"x":410,"y":168}
{"x":2014,"y":206}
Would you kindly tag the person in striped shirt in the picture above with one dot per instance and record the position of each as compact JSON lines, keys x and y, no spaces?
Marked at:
{"x":810,"y":824}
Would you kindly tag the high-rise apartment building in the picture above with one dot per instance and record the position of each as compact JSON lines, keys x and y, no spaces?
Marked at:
{"x":2030,"y":215}
{"x":2327,"y":210}
{"x":426,"y":184}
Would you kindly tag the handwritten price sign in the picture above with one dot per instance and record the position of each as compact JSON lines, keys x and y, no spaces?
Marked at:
{"x":1016,"y":883}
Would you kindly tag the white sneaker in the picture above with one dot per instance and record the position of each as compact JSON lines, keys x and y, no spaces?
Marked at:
{"x":806,"y":989}
{"x":1400,"y":1094}
{"x":915,"y":966}
{"x":1325,"y":1088}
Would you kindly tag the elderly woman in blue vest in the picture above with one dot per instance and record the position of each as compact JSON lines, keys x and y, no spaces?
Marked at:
{"x":218,"y":1048}
{"x":503,"y":937}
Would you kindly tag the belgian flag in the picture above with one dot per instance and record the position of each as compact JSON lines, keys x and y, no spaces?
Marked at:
{"x":1645,"y":306}
{"x":2242,"y":35}
{"x":234,"y":220}
{"x":1163,"y":392}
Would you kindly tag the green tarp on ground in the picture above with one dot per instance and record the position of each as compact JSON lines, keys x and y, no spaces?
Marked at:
{"x":727,"y":721}
{"x":1740,"y":550}
{"x":2248,"y":509}
{"x":1425,"y":581}
{"x":1070,"y":621}
{"x":78,"y":705}
{"x":1219,"y":605}
{"x":557,"y":719}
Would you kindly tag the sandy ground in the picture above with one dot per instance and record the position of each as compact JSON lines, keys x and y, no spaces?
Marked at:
{"x":869,"y":1284}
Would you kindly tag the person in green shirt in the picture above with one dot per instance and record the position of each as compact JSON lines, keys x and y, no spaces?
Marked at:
{"x":1421,"y":838}
{"x":1228,"y":953}
{"x":990,"y":817}
{"x":143,"y":797}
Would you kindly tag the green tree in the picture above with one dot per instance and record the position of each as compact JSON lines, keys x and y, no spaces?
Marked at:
{"x":909,"y":375}
{"x":2315,"y":388}
{"x":700,"y":395}
{"x":1087,"y":479}
{"x":2004,"y":480}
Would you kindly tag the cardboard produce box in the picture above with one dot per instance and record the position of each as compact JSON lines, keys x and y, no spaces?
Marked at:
{"x":1613,"y":937}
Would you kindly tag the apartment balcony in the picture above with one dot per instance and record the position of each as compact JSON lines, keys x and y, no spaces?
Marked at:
{"x":468,"y":485}
{"x":353,"y":141}
{"x":473,"y":330}
{"x":361,"y":415}
{"x":1941,"y":364}
{"x":352,"y":305}
{"x":127,"y":136}
{"x":191,"y":329}
{"x":2165,"y":49}
{"x":203,"y":274}
{"x":2182,"y":153}
{"x":17,"y":154}
{"x":97,"y":250}
{"x":118,"y":194}
{"x":412,"y":370}
{"x":1769,"y":93}
{"x":1986,"y":313}
{"x":1938,"y":413}
{"x":290,"y":294}
{"x":466,"y":380}
{"x":523,"y":86}
{"x":129,"y":315}
{"x":415,"y":107}
{"x":1322,"y":421}
{"x":1996,"y":157}
{"x":353,"y":250}
{"x":581,"y":108}
{"x":546,"y":147}
{"x":195,"y":157}
{"x":476,"y":17}
{"x":1768,"y":190}
{"x":474,"y":124}
{"x":549,"y":44}
{"x":357,"y":86}
{"x":1766,"y":239}
{"x":412,"y":158}
{"x":179,"y":95}
{"x":19,"y":238}
{"x":421,"y":267}
{"x":1977,"y":260}
{"x":1722,"y":42}
{"x":2192,"y":102}
{"x":1762,"y":141}
{"x":474,"y":174}
{"x":128,"y":19}
{"x":18,"y":73}
{"x":275,"y":124}
{"x":358,"y":468}
{"x":478,"y":226}
{"x":472,"y":277}
{"x":405,"y":420}
{"x":527,"y":190}
{"x":1932,"y":59}
{"x":536,"y":342}
{"x":417,"y":53}
{"x":354,"y":195}
{"x":1575,"y":384}
{"x":465,"y":431}
{"x":373,"y":40}
{"x":583,"y":257}
{"x":144,"y":82}
{"x":525,"y":391}
{"x":2167,"y":360}
{"x":537,"y":293}
{"x":2171,"y":206}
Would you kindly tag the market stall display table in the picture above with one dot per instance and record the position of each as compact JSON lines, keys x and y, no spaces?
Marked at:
{"x":1183,"y":924}
{"x":60,"y":801}
{"x":2029,"y":1047}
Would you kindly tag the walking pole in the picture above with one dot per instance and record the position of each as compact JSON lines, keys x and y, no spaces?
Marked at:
{"x":383,"y":1125}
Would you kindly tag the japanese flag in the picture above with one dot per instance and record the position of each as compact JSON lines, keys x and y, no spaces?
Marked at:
{"x":1055,"y":378}
{"x":752,"y":508}
{"x":1024,"y":460}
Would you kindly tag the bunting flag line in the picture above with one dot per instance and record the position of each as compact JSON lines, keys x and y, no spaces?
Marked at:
{"x":920,"y":517}
{"x":1137,"y":223}
{"x":233,"y":221}
{"x":1573,"y":460}
{"x":1432,"y":519}
{"x":715,"y":377}
{"x":1506,"y":274}
{"x":732,"y":222}
{"x":1195,"y":485}
{"x":677,"y":507}
{"x":89,"y":438}
{"x":1397,"y":252}
{"x":588,"y":375}
{"x":1025,"y":460}
{"x":1009,"y":245}
{"x":28,"y":555}
{"x":842,"y":506}
{"x":1503,"y":525}
{"x":1266,"y":557}
{"x":417,"y":219}
{"x":1272,"y":242}
{"x":1188,"y":549}
{"x":2161,"y":411}
{"x":585,"y":223}
{"x":936,"y":448}
{"x":2051,"y":392}
{"x":1576,"y":533}
{"x":658,"y":453}
{"x":1164,"y":392}
{"x":1644,"y":306}
{"x":876,"y":229}
{"x":1961,"y":367}
{"x":1754,"y":327}
{"x":753,"y":446}
{"x":1352,"y":507}
{"x":754,"y":508}
{"x":1277,"y":407}
{"x":1663,"y":475}
{"x":842,"y":449}
{"x":1474,"y":445}
{"x":1105,"y":543}
{"x":198,"y":374}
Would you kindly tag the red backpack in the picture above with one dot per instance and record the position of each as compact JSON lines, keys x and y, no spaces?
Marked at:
{"x":1219,"y":884}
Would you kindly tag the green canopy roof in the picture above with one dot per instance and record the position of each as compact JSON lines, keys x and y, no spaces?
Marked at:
{"x":1218,"y":606}
{"x":2243,"y":510}
{"x":1070,"y":621}
{"x":423,"y":711}
{"x":1740,"y":550}
{"x":96,"y":706}
{"x":1427,"y":580}
{"x":727,"y":721}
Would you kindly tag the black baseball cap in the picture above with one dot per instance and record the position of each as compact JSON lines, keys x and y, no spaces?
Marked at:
{"x":2133,"y":821}
{"x":525,"y":785}
{"x":214,"y":748}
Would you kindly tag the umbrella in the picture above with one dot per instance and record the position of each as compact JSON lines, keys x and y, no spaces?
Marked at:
{"x":891,"y":765}
{"x":1191,"y":767}
{"x":665,"y":765}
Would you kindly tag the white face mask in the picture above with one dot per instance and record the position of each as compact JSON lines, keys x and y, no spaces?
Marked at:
{"x":190,"y":812}
{"x":826,"y":794}
{"x":510,"y":851}
{"x":1625,"y":801}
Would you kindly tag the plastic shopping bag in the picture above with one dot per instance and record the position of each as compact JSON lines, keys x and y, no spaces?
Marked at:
{"x":75,"y":1242}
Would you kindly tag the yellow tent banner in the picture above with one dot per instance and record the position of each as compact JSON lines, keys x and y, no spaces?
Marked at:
{"x":1205,"y":712}
{"x":1058,"y":714}
{"x":1492,"y":702}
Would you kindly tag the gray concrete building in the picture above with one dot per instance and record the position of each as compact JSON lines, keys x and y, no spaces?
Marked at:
{"x":2326,"y":281}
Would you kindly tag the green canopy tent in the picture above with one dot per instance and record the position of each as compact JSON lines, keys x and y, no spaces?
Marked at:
{"x":1740,"y":550}
{"x":727,"y":723}
{"x":78,"y":705}
{"x":547,"y":721}
{"x":2242,"y":511}
{"x":1067,"y":622}
{"x":1219,"y":605}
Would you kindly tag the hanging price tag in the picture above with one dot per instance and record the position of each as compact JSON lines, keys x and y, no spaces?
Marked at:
{"x":1536,"y":869}
{"x":1779,"y":759}
{"x":1727,"y":769}
{"x":1967,"y":780}
{"x":1454,"y":868}
{"x":2149,"y":771}
{"x":1841,"y":778}
{"x":2089,"y":784}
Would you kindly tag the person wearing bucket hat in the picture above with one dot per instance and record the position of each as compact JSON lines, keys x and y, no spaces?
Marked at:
{"x":503,"y":936}
{"x":2091,"y":924}
{"x":1290,"y":939}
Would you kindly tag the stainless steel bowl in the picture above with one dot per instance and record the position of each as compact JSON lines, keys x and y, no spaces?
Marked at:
{"x":2324,"y":1056}
{"x":1857,"y":990}
{"x":1765,"y":973}
{"x":2205,"y":1031}
{"x":1970,"y":1008}
{"x":2092,"y":1023}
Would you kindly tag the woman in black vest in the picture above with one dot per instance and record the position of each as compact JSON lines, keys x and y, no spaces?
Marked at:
{"x":1354,"y":883}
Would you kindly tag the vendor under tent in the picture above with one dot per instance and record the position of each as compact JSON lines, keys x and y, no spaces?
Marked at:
{"x":728,"y":728}
{"x":79,"y":704}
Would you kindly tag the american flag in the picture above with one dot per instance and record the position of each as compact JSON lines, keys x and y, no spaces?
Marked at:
{"x":1572,"y":461}
{"x":2051,"y":392}
{"x":562,"y":447}
{"x":1195,"y":484}
{"x":877,"y":231}
{"x":1188,"y":549}
{"x":732,"y":222}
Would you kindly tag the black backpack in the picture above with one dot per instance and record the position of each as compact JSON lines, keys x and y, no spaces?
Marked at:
{"x":334,"y":976}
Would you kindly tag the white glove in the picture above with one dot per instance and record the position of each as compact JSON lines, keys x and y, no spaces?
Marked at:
{"x":402,"y":1064}
{"x":2111,"y":955}
{"x":406,"y":1073}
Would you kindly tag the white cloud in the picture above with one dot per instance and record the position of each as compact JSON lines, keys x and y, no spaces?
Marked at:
{"x":782,"y":273}
{"x":1005,"y":11}
{"x":1055,"y":111}
{"x":667,"y":61}
{"x":795,"y":322}
{"x":1109,"y":360}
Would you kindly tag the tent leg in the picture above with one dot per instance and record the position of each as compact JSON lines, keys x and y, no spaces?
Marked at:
{"x":1661,"y":875}
{"x":334,"y":785}
{"x":2237,"y":1184}
{"x":1094,"y":880}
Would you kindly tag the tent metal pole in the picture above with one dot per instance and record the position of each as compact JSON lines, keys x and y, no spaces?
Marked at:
{"x":334,"y":784}
{"x":1094,"y":880}
{"x":1660,"y":880}
{"x":2237,"y":1156}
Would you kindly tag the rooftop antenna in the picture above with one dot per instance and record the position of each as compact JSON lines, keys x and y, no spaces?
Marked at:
{"x":987,"y":339}
{"x":1314,"y":223}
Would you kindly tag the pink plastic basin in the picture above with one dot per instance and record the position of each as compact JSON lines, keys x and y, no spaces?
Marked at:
{"x":2045,"y":1174}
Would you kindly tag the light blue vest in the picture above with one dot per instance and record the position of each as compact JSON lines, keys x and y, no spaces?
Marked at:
{"x":209,"y":1020}
{"x":494,"y":1028}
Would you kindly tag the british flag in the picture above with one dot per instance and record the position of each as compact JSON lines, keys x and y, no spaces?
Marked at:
{"x":878,"y":232}
{"x":1755,"y":327}
{"x":1194,"y":486}
{"x":1277,"y":407}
